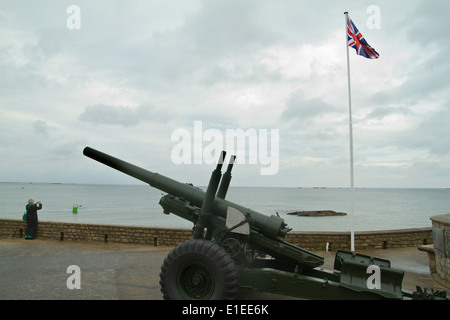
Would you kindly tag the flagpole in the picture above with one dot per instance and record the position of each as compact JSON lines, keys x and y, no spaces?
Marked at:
{"x":350,"y":124}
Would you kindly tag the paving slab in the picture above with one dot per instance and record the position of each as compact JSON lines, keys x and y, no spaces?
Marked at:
{"x":40,"y":270}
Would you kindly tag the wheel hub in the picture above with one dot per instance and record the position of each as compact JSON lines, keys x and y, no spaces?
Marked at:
{"x":195,"y":281}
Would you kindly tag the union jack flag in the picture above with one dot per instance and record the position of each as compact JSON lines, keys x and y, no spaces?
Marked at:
{"x":357,"y":41}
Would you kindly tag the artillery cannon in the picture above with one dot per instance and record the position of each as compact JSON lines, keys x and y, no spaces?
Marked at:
{"x":235,"y":247}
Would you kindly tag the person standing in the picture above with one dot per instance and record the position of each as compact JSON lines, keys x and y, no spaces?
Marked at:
{"x":32,"y":218}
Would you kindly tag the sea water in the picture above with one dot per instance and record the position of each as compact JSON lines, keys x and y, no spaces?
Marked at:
{"x":374,"y":209}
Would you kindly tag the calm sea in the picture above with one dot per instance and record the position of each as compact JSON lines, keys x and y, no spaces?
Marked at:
{"x":375,"y":209}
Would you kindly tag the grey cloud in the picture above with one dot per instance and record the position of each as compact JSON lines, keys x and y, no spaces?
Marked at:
{"x":426,"y":26}
{"x":297,"y":107}
{"x":432,"y":133}
{"x":381,"y":112}
{"x":188,"y":53}
{"x":41,"y":127}
{"x":425,"y":22}
{"x":220,"y":27}
{"x":113,"y":115}
{"x":66,"y":150}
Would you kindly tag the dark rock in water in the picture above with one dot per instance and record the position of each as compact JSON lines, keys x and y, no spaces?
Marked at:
{"x":317,"y":213}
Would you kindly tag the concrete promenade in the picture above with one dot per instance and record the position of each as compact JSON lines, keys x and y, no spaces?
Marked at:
{"x":37,"y":270}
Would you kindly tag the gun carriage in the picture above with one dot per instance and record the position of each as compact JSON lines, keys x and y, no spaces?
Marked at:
{"x":236,"y":247}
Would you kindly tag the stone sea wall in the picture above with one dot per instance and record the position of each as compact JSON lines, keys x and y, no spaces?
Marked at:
{"x":441,"y":244}
{"x":314,"y":241}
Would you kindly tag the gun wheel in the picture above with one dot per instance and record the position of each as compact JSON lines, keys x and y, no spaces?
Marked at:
{"x":198,"y":270}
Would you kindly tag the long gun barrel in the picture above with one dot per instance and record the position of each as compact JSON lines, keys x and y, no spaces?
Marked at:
{"x":271,"y":226}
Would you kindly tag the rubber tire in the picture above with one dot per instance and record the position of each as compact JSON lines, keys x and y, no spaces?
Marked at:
{"x":218,"y":263}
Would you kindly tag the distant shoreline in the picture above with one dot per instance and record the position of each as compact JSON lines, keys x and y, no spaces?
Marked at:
{"x":262,"y":187}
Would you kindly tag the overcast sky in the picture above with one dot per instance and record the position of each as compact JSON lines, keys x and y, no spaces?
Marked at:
{"x":126,"y":77}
